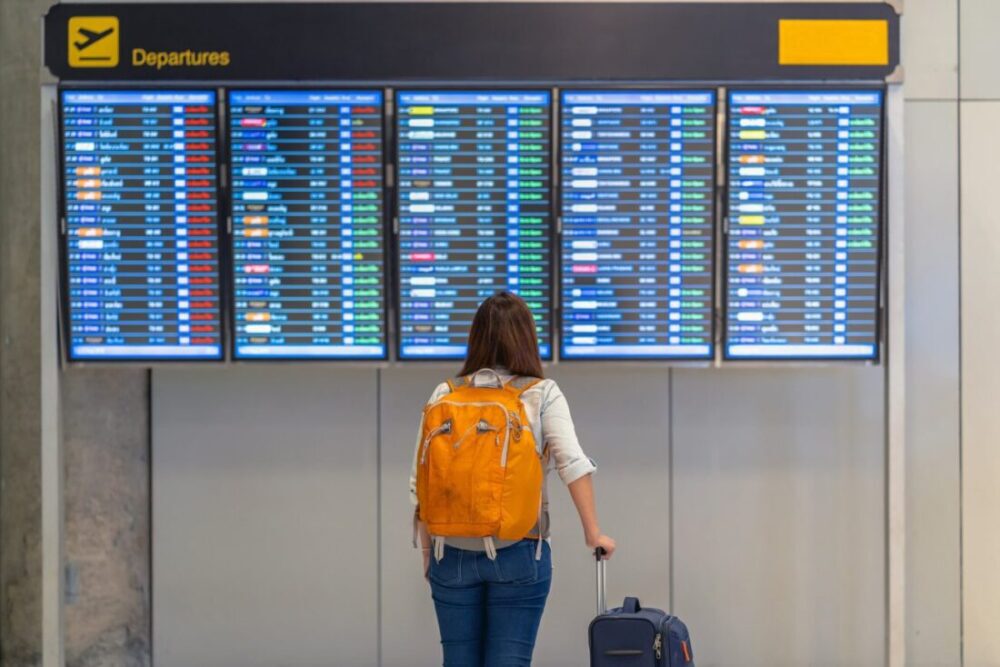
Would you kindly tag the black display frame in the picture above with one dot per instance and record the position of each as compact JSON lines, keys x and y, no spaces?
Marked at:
{"x":883,"y":213}
{"x":386,"y":226}
{"x":715,"y":219}
{"x":460,"y":87}
{"x":722,"y":92}
{"x":63,"y":228}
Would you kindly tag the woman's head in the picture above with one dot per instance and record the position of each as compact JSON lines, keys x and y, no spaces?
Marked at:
{"x":503,"y":334}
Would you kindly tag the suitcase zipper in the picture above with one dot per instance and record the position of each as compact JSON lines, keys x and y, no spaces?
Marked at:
{"x":658,"y":646}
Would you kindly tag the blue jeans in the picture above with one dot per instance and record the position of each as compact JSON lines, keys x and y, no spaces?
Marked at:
{"x":488,"y":611}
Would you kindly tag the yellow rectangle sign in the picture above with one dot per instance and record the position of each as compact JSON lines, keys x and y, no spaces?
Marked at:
{"x":833,"y":42}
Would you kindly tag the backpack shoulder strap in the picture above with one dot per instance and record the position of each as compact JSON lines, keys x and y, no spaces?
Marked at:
{"x":521,"y":383}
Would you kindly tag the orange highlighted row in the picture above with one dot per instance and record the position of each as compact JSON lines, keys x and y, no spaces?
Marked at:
{"x":255,"y":219}
{"x":96,"y":183}
{"x":751,"y":159}
{"x":88,"y":171}
{"x":750,"y":268}
{"x":751,"y":245}
{"x":258,"y":317}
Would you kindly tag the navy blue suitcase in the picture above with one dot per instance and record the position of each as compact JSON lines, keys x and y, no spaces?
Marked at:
{"x":633,"y":636}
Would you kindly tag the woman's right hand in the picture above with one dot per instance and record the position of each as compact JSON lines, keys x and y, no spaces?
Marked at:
{"x":604,"y":542}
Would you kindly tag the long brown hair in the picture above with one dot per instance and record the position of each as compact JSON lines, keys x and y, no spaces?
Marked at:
{"x":503,"y":334}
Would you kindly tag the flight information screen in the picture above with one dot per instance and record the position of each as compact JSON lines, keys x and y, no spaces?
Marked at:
{"x":638,"y":184}
{"x":141,"y":245}
{"x":803,"y":225}
{"x":308,"y":226}
{"x":474,"y":213}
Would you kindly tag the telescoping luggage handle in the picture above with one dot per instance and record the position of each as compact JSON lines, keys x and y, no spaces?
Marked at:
{"x":602,"y":580}
{"x":630,"y":605}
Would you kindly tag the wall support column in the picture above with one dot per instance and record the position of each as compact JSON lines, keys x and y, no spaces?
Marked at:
{"x":895,"y":364}
{"x":51,"y":411}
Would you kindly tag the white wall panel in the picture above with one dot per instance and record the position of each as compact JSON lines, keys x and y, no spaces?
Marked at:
{"x":933,"y":563}
{"x":779,"y":515}
{"x":980,"y":378}
{"x":264,"y":517}
{"x":930,"y":49}
{"x":785,"y":529}
{"x":410,"y":634}
{"x":980,"y":49}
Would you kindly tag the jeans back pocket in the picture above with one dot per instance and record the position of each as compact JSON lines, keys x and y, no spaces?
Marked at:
{"x":516,"y":564}
{"x":449,"y":570}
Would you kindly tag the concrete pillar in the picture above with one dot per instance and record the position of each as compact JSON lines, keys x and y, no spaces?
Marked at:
{"x":106,"y":492}
{"x":105,"y":422}
{"x":20,"y":490}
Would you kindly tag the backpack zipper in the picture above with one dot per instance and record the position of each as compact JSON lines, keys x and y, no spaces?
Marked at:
{"x":443,"y":428}
{"x":482,"y":426}
{"x":507,"y":422}
{"x":462,"y":438}
{"x":506,"y":444}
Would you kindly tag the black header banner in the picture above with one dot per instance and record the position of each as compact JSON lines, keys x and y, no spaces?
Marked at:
{"x":497,"y":41}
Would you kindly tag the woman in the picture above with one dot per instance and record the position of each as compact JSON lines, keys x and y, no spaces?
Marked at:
{"x":489,"y":602}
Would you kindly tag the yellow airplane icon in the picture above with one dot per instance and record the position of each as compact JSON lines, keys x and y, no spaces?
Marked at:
{"x":93,"y":41}
{"x":91,"y":37}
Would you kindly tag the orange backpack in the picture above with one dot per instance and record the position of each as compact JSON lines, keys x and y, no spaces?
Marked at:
{"x":479,"y":473}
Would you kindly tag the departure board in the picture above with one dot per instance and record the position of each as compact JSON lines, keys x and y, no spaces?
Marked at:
{"x":474,"y":213}
{"x":803,"y":225}
{"x":141,"y":243}
{"x":308,"y":227}
{"x":638,"y":207}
